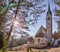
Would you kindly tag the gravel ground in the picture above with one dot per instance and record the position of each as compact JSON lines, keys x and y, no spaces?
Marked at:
{"x":41,"y":50}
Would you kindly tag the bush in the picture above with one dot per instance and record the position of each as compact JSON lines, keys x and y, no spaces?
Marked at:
{"x":3,"y":43}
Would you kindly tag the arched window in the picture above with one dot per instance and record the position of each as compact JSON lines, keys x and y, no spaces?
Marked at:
{"x":48,"y":18}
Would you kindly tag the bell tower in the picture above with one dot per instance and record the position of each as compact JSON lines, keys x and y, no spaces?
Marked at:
{"x":49,"y":24}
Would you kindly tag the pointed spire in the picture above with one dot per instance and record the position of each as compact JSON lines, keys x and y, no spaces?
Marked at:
{"x":49,"y":10}
{"x":49,"y":7}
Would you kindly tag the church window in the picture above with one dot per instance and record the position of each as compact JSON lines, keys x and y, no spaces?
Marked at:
{"x":48,"y":18}
{"x":38,"y":40}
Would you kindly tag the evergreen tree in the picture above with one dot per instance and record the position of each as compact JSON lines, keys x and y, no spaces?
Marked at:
{"x":26,"y":7}
{"x":3,"y":41}
{"x":57,"y":13}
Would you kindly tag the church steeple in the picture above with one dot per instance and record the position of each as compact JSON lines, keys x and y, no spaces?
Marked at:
{"x":49,"y":23}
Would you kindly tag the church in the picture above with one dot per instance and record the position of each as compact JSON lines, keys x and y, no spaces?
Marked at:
{"x":44,"y":35}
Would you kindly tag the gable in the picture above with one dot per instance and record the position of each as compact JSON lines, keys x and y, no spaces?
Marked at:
{"x":42,"y":30}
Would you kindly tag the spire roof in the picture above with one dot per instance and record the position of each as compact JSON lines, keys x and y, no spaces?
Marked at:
{"x":49,"y":7}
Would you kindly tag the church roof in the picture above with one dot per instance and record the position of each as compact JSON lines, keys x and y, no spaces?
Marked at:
{"x":41,"y":29}
{"x":40,"y":35}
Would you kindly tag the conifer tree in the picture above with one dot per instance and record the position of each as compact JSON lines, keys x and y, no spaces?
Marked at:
{"x":3,"y":41}
{"x":57,"y":13}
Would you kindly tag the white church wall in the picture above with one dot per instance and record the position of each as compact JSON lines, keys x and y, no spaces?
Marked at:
{"x":41,"y":41}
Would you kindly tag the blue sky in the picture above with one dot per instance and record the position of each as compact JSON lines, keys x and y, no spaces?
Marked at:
{"x":42,"y":20}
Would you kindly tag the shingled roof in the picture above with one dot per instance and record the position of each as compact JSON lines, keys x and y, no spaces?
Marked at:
{"x":40,"y":29}
{"x":40,"y":35}
{"x":43,"y":28}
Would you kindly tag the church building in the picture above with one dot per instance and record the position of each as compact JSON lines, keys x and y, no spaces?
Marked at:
{"x":44,"y":35}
